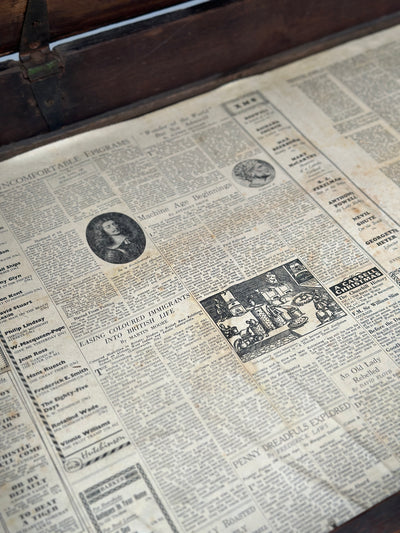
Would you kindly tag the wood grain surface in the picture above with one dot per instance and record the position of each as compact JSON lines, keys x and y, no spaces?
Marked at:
{"x":153,"y":58}
{"x":72,"y":17}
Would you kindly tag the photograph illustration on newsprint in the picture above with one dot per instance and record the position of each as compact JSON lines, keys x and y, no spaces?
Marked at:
{"x":272,"y":309}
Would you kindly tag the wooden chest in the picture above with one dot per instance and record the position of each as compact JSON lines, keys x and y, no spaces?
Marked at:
{"x":56,"y":90}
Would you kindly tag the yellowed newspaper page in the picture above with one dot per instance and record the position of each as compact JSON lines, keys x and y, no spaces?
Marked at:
{"x":199,"y":310}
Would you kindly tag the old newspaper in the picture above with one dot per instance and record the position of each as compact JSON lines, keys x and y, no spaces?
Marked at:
{"x":199,"y":310}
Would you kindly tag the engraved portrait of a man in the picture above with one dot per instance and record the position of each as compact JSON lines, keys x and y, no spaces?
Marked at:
{"x":115,"y":238}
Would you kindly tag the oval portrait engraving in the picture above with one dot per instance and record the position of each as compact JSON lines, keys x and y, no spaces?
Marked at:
{"x":115,"y":238}
{"x":253,"y":173}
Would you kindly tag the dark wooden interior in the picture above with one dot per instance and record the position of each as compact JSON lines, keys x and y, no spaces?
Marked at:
{"x":72,"y":17}
{"x":149,"y":64}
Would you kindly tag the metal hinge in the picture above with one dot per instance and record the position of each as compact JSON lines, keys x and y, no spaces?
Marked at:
{"x":42,"y":67}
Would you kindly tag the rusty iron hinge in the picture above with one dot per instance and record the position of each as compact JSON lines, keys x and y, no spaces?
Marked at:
{"x":42,"y":67}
